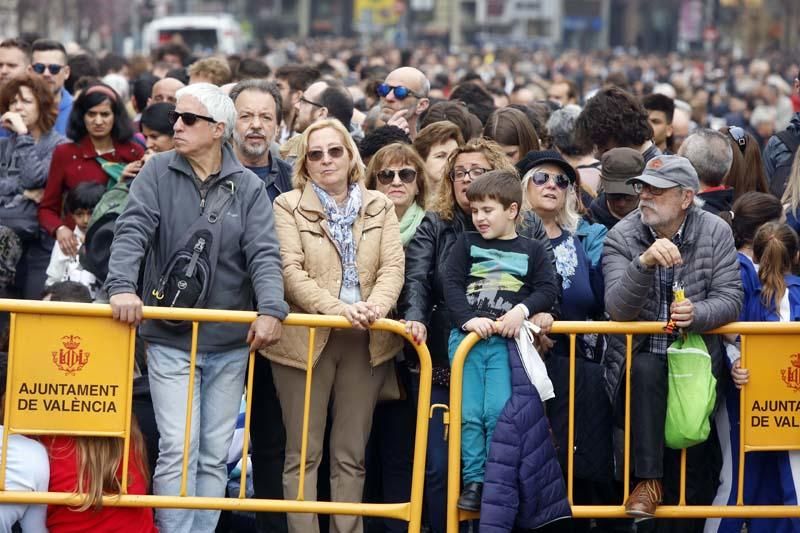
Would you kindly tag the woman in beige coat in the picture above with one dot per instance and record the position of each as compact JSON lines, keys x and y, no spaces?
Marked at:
{"x":341,"y":251}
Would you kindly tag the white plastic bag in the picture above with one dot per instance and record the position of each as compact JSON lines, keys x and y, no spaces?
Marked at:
{"x":532,"y":362}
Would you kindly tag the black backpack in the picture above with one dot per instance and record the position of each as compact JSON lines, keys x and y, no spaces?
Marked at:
{"x":781,"y":176}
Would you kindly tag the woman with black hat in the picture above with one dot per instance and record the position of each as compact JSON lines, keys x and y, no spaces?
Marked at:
{"x":550,"y":185}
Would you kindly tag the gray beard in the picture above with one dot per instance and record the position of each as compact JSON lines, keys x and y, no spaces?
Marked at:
{"x":249,"y":151}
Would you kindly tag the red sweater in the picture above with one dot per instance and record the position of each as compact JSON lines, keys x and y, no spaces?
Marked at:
{"x":72,"y":164}
{"x":62,"y":519}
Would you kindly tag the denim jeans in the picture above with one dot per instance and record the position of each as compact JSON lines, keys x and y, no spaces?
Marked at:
{"x":218,"y":387}
{"x":487,"y":388}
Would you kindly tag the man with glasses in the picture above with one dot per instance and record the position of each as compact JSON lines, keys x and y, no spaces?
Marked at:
{"x":49,"y":60}
{"x":711,"y":155}
{"x":200,"y":179}
{"x":404,"y":97}
{"x":669,"y":243}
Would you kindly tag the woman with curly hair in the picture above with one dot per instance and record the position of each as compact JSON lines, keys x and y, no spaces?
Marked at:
{"x":422,"y":300}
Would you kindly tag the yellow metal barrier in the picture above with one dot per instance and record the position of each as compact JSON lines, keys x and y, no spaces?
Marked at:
{"x":783,"y":333}
{"x":71,"y":357}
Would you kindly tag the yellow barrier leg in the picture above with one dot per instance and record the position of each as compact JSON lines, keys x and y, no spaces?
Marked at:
{"x":129,"y":413}
{"x":420,"y":441}
{"x":312,"y":334}
{"x":682,"y":498}
{"x":626,"y":484}
{"x":189,"y":400}
{"x":742,"y":424}
{"x":7,"y":402}
{"x":247,"y":406}
{"x":571,"y":421}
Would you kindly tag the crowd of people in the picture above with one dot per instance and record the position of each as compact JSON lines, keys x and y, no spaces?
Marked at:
{"x":492,"y":192}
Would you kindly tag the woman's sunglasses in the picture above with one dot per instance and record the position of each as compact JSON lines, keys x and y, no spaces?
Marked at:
{"x":188,"y":118}
{"x":540,"y":178}
{"x":316,"y":155}
{"x":739,"y":136}
{"x":400,"y":92}
{"x":407,"y":175}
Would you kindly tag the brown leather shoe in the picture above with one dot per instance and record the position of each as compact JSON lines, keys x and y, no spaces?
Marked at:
{"x":644,"y":499}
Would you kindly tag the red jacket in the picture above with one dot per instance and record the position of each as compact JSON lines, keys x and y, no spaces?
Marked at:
{"x":72,"y":164}
{"x":63,"y":476}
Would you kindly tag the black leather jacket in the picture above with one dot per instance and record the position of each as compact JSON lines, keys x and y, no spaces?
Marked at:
{"x":422,"y":299}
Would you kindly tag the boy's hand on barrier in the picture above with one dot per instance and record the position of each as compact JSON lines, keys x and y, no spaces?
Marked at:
{"x":484,"y":327}
{"x":544,"y":321}
{"x":264,"y":331}
{"x":510,"y":323}
{"x":739,"y":375}
{"x":417,"y":330}
{"x":126,"y":307}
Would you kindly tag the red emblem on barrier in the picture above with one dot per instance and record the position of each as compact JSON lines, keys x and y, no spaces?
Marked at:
{"x":71,"y":358}
{"x":791,"y":374}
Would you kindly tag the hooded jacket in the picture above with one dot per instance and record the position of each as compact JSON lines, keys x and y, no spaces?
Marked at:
{"x":600,"y":212}
{"x":523,"y":486}
{"x":164,"y":202}
{"x":717,"y":200}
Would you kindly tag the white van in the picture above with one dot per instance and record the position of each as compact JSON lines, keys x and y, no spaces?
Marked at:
{"x":203,"y":34}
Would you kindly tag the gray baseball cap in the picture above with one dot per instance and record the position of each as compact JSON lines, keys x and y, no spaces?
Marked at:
{"x":617,"y":166}
{"x":666,"y":171}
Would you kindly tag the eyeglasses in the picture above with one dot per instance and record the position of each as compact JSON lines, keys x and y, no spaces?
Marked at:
{"x":740,"y":136}
{"x":460,"y":174}
{"x":406,"y":175}
{"x":335,"y":152}
{"x":39,"y":68}
{"x":188,"y":118}
{"x":400,"y":92}
{"x":639,"y":187}
{"x":540,"y":178}
{"x":309,"y":102}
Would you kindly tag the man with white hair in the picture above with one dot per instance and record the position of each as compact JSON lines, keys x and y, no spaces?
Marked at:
{"x":205,"y":224}
{"x":711,"y":155}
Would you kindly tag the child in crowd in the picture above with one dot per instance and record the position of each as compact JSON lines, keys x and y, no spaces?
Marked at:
{"x":93,"y":466}
{"x":771,"y":478}
{"x":496,"y":280}
{"x":79,"y":203}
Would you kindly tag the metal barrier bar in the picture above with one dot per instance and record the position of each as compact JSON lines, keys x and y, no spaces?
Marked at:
{"x":248,"y":405}
{"x":187,"y":435}
{"x":126,"y":449}
{"x":408,"y":511}
{"x":628,"y":329}
{"x":7,"y":402}
{"x":306,"y":410}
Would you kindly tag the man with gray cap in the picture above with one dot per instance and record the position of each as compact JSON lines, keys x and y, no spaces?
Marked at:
{"x":667,"y":243}
{"x":617,"y":198}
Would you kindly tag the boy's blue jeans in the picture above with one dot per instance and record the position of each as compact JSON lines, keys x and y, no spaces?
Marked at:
{"x":487,"y":388}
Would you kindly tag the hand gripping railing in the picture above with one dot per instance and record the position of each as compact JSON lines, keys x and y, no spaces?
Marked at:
{"x":628,"y":329}
{"x":47,"y":314}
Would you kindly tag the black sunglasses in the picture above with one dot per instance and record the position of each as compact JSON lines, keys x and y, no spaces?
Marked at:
{"x":316,"y":155}
{"x":400,"y":92}
{"x":407,"y":175}
{"x":39,"y":68}
{"x":540,"y":178}
{"x":740,"y":136}
{"x":188,"y":118}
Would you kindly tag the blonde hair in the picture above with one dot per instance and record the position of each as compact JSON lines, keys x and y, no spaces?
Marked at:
{"x":356,"y":171}
{"x":791,"y":196}
{"x":215,"y":69}
{"x":568,"y":217}
{"x":98,"y":463}
{"x":443,"y":200}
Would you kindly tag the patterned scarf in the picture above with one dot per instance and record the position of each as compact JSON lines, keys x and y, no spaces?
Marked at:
{"x":341,"y":227}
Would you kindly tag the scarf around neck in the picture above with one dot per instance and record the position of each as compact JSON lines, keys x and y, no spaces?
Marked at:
{"x":340,"y":223}
{"x":408,"y":224}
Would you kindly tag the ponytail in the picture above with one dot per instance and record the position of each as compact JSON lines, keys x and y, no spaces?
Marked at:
{"x":774,"y":249}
